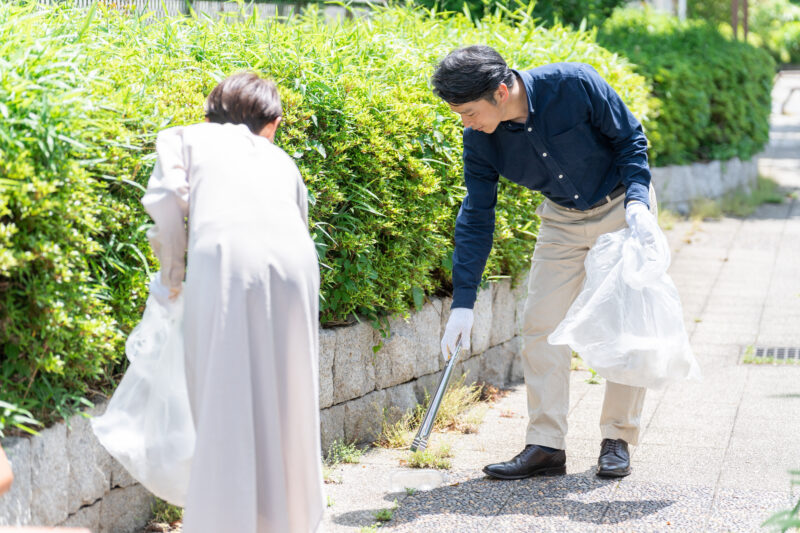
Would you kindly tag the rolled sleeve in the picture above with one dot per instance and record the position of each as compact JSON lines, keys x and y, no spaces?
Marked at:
{"x":167,"y":202}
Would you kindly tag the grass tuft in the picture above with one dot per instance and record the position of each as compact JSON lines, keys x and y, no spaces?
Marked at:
{"x":165,"y":512}
{"x":737,"y":203}
{"x":438,"y":458}
{"x":385,"y":515}
{"x":705,"y":209}
{"x":461,"y":410}
{"x":340,"y":452}
{"x":667,"y":218}
{"x":741,"y":204}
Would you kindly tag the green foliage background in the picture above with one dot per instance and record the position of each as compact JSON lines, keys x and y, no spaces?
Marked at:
{"x":712,"y":94}
{"x":547,"y":12}
{"x":773,"y":24}
{"x":83,"y":94}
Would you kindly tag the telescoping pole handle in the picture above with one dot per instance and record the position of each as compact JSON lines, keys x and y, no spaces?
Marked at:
{"x":421,"y":439}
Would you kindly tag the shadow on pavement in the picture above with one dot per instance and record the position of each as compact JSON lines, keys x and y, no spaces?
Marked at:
{"x":578,"y":497}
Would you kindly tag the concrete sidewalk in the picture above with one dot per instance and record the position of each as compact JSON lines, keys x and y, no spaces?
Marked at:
{"x":714,"y":455}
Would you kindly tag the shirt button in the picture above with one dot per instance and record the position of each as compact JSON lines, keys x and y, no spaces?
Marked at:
{"x":544,"y":154}
{"x":530,"y":129}
{"x":576,"y":196}
{"x":560,"y":176}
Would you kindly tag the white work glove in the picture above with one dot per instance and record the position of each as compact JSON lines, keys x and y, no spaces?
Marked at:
{"x":640,"y":268}
{"x":164,"y":295}
{"x":459,"y":325}
{"x":642,"y":222}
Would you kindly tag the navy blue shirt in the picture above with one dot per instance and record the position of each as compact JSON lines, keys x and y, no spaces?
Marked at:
{"x":578,"y":144}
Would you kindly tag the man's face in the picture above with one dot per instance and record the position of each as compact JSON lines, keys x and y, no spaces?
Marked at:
{"x":481,"y":115}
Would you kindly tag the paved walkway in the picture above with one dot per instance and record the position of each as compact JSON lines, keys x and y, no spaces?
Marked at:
{"x":714,"y":455}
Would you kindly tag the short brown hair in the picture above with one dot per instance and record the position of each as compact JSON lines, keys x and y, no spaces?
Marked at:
{"x":244,"y":98}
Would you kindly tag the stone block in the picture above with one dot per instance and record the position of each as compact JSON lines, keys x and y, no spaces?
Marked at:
{"x":120,"y":478}
{"x":471,"y":368}
{"x":732,"y":175}
{"x":399,"y":400}
{"x":363,"y":417}
{"x":482,"y":327}
{"x":517,"y":372}
{"x":89,"y":465}
{"x":750,"y":172}
{"x":396,"y":361}
{"x":741,"y":175}
{"x":49,"y":476}
{"x":327,"y":349}
{"x":126,"y":510}
{"x":15,"y":505}
{"x":706,"y":180}
{"x":426,"y":385}
{"x":353,"y":368}
{"x":442,"y":307}
{"x":412,"y":348}
{"x":673,"y":183}
{"x":496,"y":365}
{"x":677,"y":186}
{"x":428,"y":336}
{"x":88,"y":517}
{"x":446,"y":305}
{"x":503,"y":313}
{"x":331,"y":423}
{"x":445,"y":316}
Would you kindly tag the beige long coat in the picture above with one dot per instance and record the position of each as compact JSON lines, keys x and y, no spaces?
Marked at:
{"x":251,"y":319}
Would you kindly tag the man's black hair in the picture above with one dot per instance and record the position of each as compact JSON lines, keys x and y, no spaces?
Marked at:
{"x":471,"y":73}
{"x":244,"y":98}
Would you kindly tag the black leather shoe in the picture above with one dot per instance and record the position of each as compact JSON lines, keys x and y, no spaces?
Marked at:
{"x":532,"y":461}
{"x":614,"y":460}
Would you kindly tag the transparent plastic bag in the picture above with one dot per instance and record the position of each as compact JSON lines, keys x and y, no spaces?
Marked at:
{"x":627,"y":321}
{"x":147,"y":425}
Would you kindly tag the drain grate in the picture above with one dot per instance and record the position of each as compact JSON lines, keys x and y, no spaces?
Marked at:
{"x":775,"y":354}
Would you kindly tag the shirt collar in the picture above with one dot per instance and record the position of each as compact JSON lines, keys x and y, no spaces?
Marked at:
{"x":527,"y":82}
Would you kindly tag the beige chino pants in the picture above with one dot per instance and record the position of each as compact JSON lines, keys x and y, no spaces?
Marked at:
{"x":556,"y":278}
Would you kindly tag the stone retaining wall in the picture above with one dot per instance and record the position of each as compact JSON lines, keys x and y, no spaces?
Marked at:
{"x":360,"y":386}
{"x":64,"y":477}
{"x":678,"y":186}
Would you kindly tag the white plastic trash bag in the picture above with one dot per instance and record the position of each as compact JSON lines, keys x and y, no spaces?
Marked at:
{"x":627,"y":321}
{"x":147,"y":425}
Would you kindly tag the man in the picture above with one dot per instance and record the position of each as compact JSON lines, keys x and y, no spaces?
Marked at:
{"x":562,"y":130}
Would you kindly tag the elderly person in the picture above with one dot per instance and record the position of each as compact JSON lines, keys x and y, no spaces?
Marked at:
{"x":251,"y":312}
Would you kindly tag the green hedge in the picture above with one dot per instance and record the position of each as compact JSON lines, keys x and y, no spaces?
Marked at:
{"x":84,"y":93}
{"x":713,"y":94}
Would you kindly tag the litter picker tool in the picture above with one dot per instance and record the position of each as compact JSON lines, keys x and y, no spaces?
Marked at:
{"x":421,"y":440}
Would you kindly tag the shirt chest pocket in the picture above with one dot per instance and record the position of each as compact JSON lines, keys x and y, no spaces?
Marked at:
{"x":572,"y":141}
